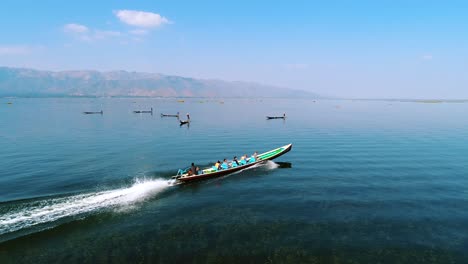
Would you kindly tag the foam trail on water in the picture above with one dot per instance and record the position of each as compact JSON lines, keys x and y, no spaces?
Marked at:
{"x":34,"y":213}
{"x":270,"y":165}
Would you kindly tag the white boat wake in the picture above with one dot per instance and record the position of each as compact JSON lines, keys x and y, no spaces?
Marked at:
{"x":271,"y":165}
{"x":39,"y":212}
{"x":268,"y":165}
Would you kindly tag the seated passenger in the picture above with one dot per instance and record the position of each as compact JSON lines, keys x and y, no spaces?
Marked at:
{"x":234,"y":162}
{"x":217,"y":166}
{"x":243,"y":160}
{"x":225,"y":165}
{"x":253,"y":158}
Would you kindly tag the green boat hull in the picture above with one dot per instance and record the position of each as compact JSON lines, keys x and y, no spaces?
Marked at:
{"x":212,"y":173}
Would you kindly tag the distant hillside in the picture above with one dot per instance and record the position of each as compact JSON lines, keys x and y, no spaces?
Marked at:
{"x":29,"y":82}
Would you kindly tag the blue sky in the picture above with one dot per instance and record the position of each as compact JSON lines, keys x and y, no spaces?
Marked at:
{"x":356,"y":49}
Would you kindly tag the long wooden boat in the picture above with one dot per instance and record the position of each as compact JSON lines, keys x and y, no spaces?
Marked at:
{"x":183,"y":122}
{"x":90,"y":113}
{"x":169,"y":115}
{"x":144,"y":111}
{"x":277,"y":117}
{"x":212,"y":172}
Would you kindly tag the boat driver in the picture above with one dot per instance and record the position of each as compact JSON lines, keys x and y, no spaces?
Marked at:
{"x":193,"y":170}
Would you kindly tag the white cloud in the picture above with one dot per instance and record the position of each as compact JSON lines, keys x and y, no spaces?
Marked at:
{"x":427,"y":57}
{"x":141,"y":18}
{"x":139,"y":32}
{"x":75,"y":28}
{"x":14,"y":50}
{"x":86,"y":34}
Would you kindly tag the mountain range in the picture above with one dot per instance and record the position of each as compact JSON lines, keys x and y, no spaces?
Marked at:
{"x":36,"y":83}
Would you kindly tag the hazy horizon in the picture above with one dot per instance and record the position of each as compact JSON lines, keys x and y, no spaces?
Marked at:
{"x":360,"y":49}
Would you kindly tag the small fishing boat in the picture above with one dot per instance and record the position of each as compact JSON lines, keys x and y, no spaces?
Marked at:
{"x":168,"y":115}
{"x":277,"y":117}
{"x":183,"y":175}
{"x":183,"y":122}
{"x":144,"y":112}
{"x":90,"y":113}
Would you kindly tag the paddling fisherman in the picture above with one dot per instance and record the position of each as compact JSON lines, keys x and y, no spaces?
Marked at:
{"x":183,"y":122}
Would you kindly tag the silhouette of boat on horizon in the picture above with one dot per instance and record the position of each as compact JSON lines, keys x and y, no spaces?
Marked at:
{"x":91,"y":113}
{"x":277,"y":117}
{"x":169,"y":115}
{"x":143,"y":111}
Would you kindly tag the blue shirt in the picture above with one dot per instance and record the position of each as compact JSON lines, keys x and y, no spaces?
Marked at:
{"x":224,"y":165}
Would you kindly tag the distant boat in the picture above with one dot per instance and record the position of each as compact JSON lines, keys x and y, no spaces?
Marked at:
{"x":183,"y":122}
{"x":169,"y":115}
{"x":180,"y":101}
{"x":277,"y":117}
{"x":90,"y":113}
{"x":144,"y":112}
{"x":9,"y":103}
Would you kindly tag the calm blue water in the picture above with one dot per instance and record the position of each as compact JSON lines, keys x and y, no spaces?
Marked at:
{"x":365,"y":182}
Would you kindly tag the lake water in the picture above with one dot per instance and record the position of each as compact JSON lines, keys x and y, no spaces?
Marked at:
{"x":365,"y":182}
